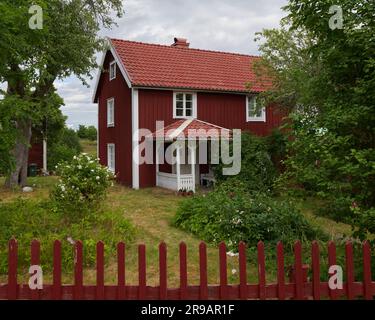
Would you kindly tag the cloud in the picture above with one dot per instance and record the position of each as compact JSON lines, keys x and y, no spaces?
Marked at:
{"x":210,"y":24}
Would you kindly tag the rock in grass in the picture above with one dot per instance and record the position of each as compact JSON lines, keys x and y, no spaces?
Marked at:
{"x":27,"y":189}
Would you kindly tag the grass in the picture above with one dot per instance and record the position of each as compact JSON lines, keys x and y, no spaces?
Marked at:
{"x":151,"y":211}
{"x":89,"y":147}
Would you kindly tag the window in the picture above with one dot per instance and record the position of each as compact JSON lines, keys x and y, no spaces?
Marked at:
{"x":184,"y":105}
{"x":111,"y":157}
{"x":112,"y":70}
{"x":111,"y":112}
{"x":255,"y":111}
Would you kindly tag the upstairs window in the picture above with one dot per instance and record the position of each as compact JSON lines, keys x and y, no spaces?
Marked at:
{"x":111,"y":156}
{"x":112,"y":70}
{"x":255,"y":110}
{"x":184,"y":105}
{"x":111,"y":112}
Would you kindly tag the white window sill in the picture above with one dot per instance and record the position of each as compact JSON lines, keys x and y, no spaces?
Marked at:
{"x":255,"y":120}
{"x":110,"y":125}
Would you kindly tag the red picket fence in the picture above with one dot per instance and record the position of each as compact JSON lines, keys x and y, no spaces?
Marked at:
{"x":299,"y":289}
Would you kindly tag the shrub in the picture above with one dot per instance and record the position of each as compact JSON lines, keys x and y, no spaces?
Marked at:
{"x":82,"y":186}
{"x":29,"y":219}
{"x":257,"y":169}
{"x":231,"y":214}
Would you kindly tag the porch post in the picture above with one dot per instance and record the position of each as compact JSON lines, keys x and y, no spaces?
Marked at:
{"x":178,"y":168}
{"x":192,"y":154}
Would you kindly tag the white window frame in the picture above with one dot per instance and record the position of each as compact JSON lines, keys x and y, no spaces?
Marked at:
{"x":112,"y":66}
{"x":110,"y":113}
{"x":194,"y":111}
{"x":262,"y":118}
{"x":111,"y":163}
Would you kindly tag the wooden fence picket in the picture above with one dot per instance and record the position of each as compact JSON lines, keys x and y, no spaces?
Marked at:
{"x":78,"y":271}
{"x":12,"y":287}
{"x":315,"y":258}
{"x":261,"y":271}
{"x":163,"y":271}
{"x":349,"y":269}
{"x":280,"y":271}
{"x":57,"y":289}
{"x":121,"y":288}
{"x":35,"y":261}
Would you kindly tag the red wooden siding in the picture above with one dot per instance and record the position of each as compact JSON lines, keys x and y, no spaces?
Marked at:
{"x":154,"y":105}
{"x":36,"y":150}
{"x":121,"y":133}
{"x":223,"y":109}
{"x":229,"y":111}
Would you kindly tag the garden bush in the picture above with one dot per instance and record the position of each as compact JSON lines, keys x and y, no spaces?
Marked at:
{"x":257,"y":169}
{"x":231,"y":214}
{"x":82,"y":186}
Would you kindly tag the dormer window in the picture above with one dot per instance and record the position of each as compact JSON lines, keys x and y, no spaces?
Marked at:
{"x":255,"y":110}
{"x":112,"y":70}
{"x":184,"y":105}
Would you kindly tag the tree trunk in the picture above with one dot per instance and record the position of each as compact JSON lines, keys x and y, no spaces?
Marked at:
{"x":21,"y":153}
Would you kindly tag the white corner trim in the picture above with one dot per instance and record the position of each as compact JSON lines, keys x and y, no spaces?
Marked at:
{"x":119,"y":63}
{"x":254,"y":119}
{"x":135,"y":139}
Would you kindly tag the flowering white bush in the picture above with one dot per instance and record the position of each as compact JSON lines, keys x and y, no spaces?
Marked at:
{"x":82,"y":186}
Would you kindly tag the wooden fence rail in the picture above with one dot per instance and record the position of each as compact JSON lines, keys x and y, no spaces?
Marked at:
{"x":298,"y":288}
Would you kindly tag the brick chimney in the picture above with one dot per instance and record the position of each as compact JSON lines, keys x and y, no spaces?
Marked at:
{"x":180,"y":43}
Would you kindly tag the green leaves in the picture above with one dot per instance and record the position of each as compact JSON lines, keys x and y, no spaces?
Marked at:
{"x":329,"y":82}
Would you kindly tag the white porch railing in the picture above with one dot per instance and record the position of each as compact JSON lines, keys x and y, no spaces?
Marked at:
{"x":170,"y":181}
{"x":187,"y":182}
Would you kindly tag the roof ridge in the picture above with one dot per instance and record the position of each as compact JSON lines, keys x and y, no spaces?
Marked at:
{"x":179,"y":48}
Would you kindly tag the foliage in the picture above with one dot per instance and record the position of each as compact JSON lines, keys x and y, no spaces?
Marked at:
{"x":64,"y":146}
{"x":33,"y":59}
{"x":82,"y":186}
{"x":231,"y":214}
{"x":88,"y":132}
{"x":7,"y":137}
{"x":257,"y":170}
{"x":27,"y":220}
{"x":327,"y":78}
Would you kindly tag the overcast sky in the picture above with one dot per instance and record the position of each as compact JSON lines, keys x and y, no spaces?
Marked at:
{"x":222,"y":25}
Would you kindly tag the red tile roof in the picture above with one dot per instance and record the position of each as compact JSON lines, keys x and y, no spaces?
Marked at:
{"x":191,"y":129}
{"x":152,"y":65}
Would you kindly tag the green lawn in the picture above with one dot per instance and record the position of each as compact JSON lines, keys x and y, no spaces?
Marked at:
{"x":89,"y":147}
{"x":151,"y":211}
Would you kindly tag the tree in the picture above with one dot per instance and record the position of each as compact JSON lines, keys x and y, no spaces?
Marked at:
{"x":88,"y":132}
{"x":32,"y":59}
{"x":82,"y":131}
{"x":328,"y":78}
{"x":92,"y":133}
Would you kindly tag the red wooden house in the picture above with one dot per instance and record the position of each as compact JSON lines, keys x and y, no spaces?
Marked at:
{"x":140,"y":84}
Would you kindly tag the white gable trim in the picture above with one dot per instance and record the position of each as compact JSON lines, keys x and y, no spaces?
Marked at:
{"x":119,"y":63}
